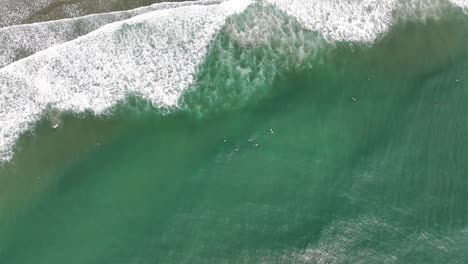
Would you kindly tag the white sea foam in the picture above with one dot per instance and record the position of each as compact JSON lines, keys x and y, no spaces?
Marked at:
{"x":460,"y":3}
{"x":341,"y":20}
{"x":15,"y":12}
{"x":24,"y":40}
{"x":153,"y":55}
{"x":358,"y":20}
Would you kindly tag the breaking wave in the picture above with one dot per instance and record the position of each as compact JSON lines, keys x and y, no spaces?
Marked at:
{"x":21,"y":41}
{"x":153,"y":55}
{"x":159,"y":53}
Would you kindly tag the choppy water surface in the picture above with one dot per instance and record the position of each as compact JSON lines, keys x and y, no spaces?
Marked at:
{"x":238,"y":132}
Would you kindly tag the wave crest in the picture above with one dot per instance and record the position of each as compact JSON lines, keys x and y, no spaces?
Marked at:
{"x":152,"y":55}
{"x":157,"y":56}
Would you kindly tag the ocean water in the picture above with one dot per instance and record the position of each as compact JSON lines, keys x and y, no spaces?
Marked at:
{"x":264,"y":132}
{"x":16,"y":12}
{"x":23,"y":40}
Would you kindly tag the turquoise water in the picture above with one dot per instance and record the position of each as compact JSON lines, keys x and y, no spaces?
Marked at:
{"x":340,"y":153}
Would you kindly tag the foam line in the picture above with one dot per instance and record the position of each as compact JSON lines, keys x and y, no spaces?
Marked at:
{"x":24,"y":40}
{"x":153,"y":55}
{"x":341,"y":20}
{"x":461,"y":3}
{"x":15,"y":12}
{"x":359,"y":21}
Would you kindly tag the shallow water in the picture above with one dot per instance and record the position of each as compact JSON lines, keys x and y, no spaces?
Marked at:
{"x":340,"y":153}
{"x":15,"y":12}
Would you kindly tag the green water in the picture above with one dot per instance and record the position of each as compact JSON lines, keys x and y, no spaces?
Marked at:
{"x":355,"y":155}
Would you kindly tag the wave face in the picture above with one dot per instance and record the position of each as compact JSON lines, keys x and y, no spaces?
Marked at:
{"x":244,"y":59}
{"x":24,"y":40}
{"x":153,"y":55}
{"x":360,"y":21}
{"x":158,"y":55}
{"x":272,"y":141}
{"x":292,"y":171}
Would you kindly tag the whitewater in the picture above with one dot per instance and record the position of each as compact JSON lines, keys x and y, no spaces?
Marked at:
{"x":154,"y":53}
{"x":20,"y":41}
